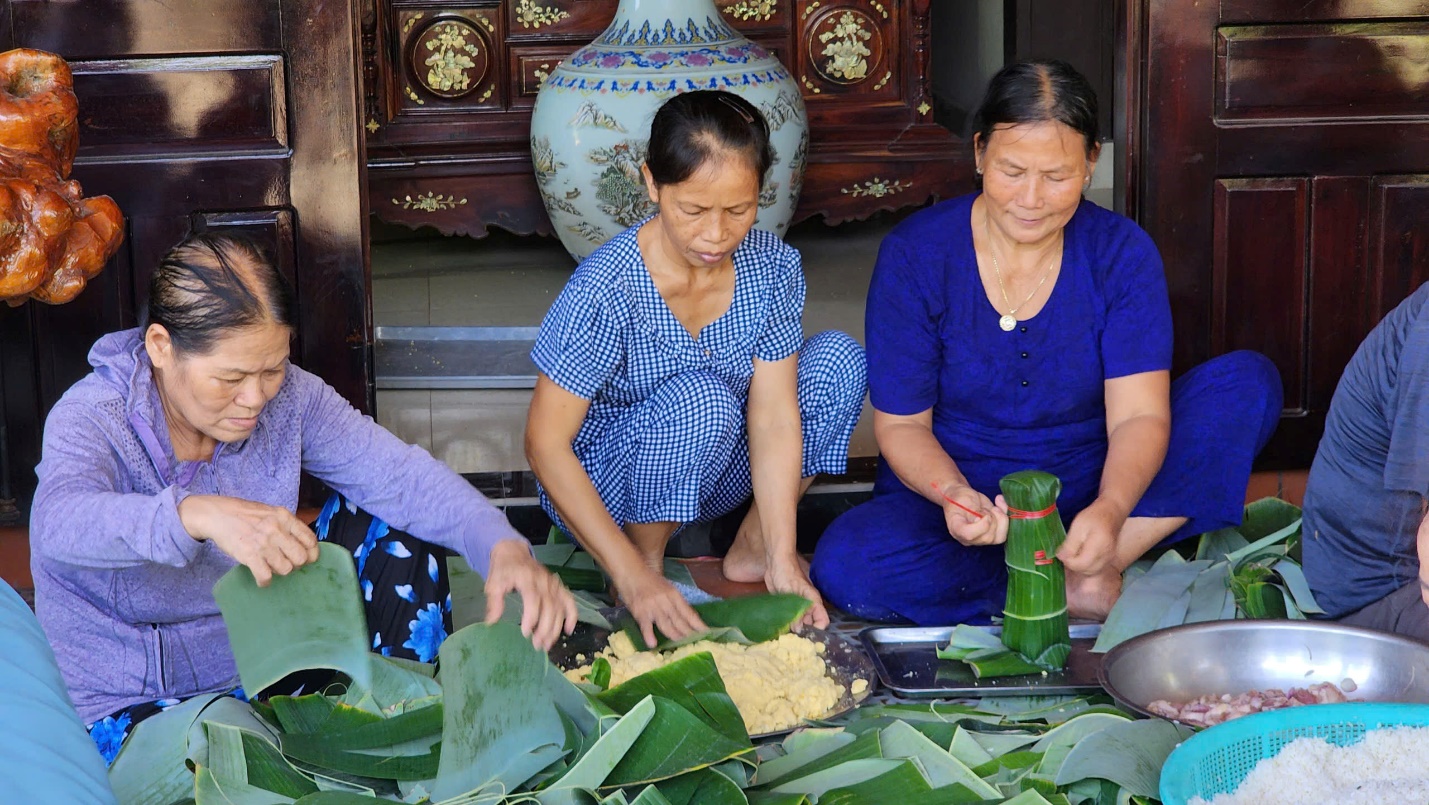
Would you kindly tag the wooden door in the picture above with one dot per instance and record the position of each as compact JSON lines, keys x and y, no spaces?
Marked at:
{"x":1278,"y":154}
{"x":194,"y":115}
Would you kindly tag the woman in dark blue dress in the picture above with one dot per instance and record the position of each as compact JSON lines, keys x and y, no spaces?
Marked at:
{"x":1024,"y":327}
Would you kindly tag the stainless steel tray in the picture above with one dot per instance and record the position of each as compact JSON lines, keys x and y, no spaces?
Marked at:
{"x":907,"y":662}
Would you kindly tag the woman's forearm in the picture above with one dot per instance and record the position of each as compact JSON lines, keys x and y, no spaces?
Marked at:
{"x":1136,"y":449}
{"x":918,"y":459}
{"x":775,"y":465}
{"x":579,"y":504}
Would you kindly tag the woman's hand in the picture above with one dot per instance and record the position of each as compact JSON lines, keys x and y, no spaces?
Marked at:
{"x":791,"y":576}
{"x":547,"y":608}
{"x":268,"y":540}
{"x":1090,"y":547}
{"x":990,"y":528}
{"x":655,"y":604}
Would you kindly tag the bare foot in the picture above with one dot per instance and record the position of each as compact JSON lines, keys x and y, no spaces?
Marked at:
{"x":745,"y":560}
{"x":1092,"y":597}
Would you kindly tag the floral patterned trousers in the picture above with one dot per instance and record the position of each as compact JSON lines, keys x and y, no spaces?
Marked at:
{"x":405,"y":591}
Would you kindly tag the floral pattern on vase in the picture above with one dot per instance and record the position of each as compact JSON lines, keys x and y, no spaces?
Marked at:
{"x":593,"y":113}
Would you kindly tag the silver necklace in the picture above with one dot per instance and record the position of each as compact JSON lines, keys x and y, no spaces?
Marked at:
{"x":1009,"y":319}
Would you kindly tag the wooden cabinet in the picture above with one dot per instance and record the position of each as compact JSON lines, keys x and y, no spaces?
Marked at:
{"x":194,"y":116}
{"x":1278,"y":154}
{"x":450,"y":86}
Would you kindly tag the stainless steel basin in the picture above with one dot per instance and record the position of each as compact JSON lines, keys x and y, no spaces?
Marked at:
{"x":1220,"y":657}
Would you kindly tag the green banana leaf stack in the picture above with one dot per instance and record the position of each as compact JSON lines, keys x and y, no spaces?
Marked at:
{"x":500,"y":724}
{"x":1249,"y":571}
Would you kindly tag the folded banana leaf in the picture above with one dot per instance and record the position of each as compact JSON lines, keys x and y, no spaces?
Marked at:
{"x":746,"y":619}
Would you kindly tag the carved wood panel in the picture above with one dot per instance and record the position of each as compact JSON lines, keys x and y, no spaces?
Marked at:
{"x":448,"y":61}
{"x":846,"y":47}
{"x":459,"y":160}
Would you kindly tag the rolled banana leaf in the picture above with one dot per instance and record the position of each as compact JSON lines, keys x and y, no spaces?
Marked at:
{"x":1035,"y":616}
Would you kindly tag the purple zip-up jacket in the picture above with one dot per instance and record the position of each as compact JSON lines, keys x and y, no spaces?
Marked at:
{"x":125,"y":595}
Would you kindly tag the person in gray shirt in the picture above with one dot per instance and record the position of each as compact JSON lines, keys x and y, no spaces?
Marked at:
{"x":1366,"y":534}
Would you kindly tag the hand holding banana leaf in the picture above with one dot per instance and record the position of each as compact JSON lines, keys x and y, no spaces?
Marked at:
{"x":547,"y":608}
{"x":793,"y":577}
{"x":654,"y":603}
{"x":268,"y":540}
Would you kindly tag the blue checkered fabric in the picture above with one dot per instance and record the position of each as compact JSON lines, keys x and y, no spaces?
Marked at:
{"x":664,"y":439}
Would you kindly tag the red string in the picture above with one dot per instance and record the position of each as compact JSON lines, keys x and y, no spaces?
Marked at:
{"x":1018,"y":514}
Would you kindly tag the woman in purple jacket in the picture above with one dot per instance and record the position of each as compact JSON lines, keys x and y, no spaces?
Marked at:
{"x":180,"y":456}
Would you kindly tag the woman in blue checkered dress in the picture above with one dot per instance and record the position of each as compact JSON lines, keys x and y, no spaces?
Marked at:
{"x":675,"y":378}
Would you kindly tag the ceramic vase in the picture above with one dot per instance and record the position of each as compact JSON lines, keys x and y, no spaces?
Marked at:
{"x":592,"y":116}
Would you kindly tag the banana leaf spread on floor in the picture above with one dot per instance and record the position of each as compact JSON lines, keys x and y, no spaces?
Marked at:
{"x":499,"y":723}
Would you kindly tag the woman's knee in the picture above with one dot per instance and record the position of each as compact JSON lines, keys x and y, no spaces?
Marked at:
{"x":1253,"y":384}
{"x":833,"y":372}
{"x":696,"y":402}
{"x":836,"y":354}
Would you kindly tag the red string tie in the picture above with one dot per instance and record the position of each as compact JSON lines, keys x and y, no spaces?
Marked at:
{"x":1018,"y":514}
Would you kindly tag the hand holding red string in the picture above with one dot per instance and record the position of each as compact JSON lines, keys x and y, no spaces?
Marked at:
{"x":971,"y":518}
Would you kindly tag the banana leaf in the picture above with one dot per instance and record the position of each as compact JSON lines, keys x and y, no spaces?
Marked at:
{"x":500,"y":722}
{"x":692,"y":683}
{"x":1143,"y":605}
{"x":650,"y":796}
{"x":865,"y":747}
{"x":1268,"y":516}
{"x":208,"y":790}
{"x":989,"y":657}
{"x":904,"y":783}
{"x":1294,"y":578}
{"x":1208,"y":594}
{"x":236,"y":756}
{"x":770,"y":798}
{"x":1130,"y":755}
{"x":675,"y":742}
{"x":150,"y":765}
{"x":600,"y":673}
{"x":310,"y":618}
{"x":1058,"y":743}
{"x":802,"y":747}
{"x":334,"y":798}
{"x":589,"y":772}
{"x":967,"y":750}
{"x":900,"y":740}
{"x":1215,"y":545}
{"x":703,"y":787}
{"x":559,"y":558}
{"x":746,"y":619}
{"x":844,"y":774}
{"x":468,"y":592}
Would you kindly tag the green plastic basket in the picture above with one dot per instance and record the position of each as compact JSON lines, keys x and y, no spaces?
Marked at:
{"x":1216,"y":760}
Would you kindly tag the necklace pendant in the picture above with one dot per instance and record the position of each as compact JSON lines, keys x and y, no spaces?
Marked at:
{"x":1007,"y":322}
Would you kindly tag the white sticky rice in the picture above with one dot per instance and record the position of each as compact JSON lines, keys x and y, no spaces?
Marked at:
{"x":1390,"y":765}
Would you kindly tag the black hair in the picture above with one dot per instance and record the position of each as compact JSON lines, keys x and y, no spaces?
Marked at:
{"x":211,"y":284}
{"x":1039,"y":92}
{"x":690,"y":128}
